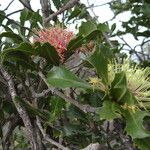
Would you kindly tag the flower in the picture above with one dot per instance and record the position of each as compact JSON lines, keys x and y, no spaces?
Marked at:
{"x":96,"y":83}
{"x":57,"y":37}
{"x":132,"y":108}
{"x":94,"y":80}
{"x":138,"y":79}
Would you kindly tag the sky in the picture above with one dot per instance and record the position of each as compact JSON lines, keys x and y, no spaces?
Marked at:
{"x":103,"y":12}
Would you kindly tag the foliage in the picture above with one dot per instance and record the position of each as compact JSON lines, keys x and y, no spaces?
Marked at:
{"x":76,"y":100}
{"x":138,"y":25}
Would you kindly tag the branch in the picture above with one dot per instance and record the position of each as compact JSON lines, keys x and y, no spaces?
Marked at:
{"x":69,"y":5}
{"x":26,"y":4}
{"x":13,"y":21}
{"x":135,"y":52}
{"x":13,"y":122}
{"x":46,"y":11}
{"x":14,"y":12}
{"x":22,"y":112}
{"x":43,"y":94}
{"x":93,"y":146}
{"x":108,"y":40}
{"x":8,"y":5}
{"x":84,"y":107}
{"x":47,"y":138}
{"x":104,"y":34}
{"x":45,"y":8}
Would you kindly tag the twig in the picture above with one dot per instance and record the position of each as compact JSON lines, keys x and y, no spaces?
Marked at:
{"x":8,"y":5}
{"x":43,"y":94}
{"x":14,"y":12}
{"x":14,"y":22}
{"x":93,"y":6}
{"x":45,"y":8}
{"x":47,"y":138}
{"x":85,"y":108}
{"x":108,"y":40}
{"x":13,"y":122}
{"x":140,"y":59}
{"x":93,"y":146}
{"x":104,"y":34}
{"x":22,"y":112}
{"x":69,"y":5}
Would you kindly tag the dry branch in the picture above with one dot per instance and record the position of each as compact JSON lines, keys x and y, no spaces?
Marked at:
{"x":69,"y":5}
{"x":22,"y":112}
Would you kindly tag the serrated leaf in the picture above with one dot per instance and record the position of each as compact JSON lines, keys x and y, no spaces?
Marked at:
{"x":119,"y":86}
{"x":98,"y":61}
{"x":109,"y":110}
{"x":63,"y":78}
{"x":119,"y":80}
{"x":134,"y":124}
{"x":120,"y":91}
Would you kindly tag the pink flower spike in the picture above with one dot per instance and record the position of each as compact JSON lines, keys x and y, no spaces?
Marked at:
{"x":57,"y":37}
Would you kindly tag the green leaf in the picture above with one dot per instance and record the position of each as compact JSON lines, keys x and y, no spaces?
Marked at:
{"x":75,"y":43}
{"x":143,"y":144}
{"x":88,"y":31}
{"x":110,"y":110}
{"x":57,"y":104}
{"x":23,"y":47}
{"x":48,"y":52}
{"x":74,"y":13}
{"x":63,"y":78}
{"x":21,"y":55}
{"x":86,"y":28}
{"x":134,"y":124}
{"x":113,"y":27}
{"x":2,"y":16}
{"x":103,"y":27}
{"x":119,"y":86}
{"x":72,"y":129}
{"x":23,"y":16}
{"x":119,"y":80}
{"x":79,"y":40}
{"x":12,"y":36}
{"x":120,"y":91}
{"x":98,"y":61}
{"x":35,"y":19}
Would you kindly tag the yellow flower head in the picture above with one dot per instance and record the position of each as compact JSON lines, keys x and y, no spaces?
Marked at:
{"x":138,"y":79}
{"x":96,"y":83}
{"x":94,"y":80}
